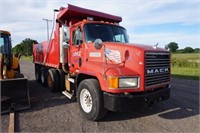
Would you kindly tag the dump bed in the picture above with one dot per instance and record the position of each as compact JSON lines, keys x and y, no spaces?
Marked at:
{"x":73,"y":14}
{"x":47,"y":53}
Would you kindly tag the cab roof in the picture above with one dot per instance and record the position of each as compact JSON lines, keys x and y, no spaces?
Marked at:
{"x":5,"y":32}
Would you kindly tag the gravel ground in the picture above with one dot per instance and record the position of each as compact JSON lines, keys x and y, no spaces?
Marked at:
{"x":53,"y":112}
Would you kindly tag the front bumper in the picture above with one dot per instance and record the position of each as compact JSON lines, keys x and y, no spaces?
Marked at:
{"x":127,"y":103}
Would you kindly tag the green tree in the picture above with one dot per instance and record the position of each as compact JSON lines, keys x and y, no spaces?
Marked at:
{"x":188,"y":50}
{"x":173,"y":46}
{"x":196,"y":50}
{"x":18,"y":49}
{"x":25,"y":47}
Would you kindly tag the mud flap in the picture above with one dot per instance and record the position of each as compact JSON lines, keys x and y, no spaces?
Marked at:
{"x":14,"y":92}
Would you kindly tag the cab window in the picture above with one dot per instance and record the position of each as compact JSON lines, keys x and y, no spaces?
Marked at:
{"x":77,"y":36}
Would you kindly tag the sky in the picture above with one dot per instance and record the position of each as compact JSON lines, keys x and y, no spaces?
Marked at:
{"x":146,"y":21}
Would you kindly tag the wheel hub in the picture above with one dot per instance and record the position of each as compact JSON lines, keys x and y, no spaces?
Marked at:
{"x":49,"y":80}
{"x":86,"y":100}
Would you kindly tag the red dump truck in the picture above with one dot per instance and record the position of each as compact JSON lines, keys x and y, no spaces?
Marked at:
{"x":90,"y":58}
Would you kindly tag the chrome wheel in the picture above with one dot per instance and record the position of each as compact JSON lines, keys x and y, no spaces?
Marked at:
{"x":86,"y":100}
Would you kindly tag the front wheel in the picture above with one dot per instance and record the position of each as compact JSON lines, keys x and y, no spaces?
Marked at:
{"x":90,"y":99}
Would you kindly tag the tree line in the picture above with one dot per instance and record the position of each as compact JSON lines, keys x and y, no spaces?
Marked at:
{"x":173,"y":47}
{"x":25,"y":48}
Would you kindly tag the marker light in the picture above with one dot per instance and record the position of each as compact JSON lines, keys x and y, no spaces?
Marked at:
{"x":113,"y":82}
{"x":90,"y":18}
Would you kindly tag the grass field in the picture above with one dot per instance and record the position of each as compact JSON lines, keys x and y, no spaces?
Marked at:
{"x":185,"y":65}
{"x":30,"y":58}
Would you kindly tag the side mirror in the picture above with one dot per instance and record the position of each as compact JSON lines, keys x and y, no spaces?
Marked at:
{"x":166,"y":47}
{"x":98,"y":44}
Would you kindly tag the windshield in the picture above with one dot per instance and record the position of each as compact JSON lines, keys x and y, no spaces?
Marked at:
{"x":107,"y":33}
{"x":5,"y":44}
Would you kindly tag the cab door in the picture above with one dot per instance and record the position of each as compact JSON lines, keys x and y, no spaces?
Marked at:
{"x":76,"y":50}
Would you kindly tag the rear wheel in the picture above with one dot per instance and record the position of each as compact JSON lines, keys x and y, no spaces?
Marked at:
{"x":90,"y":99}
{"x":44,"y":76}
{"x":37,"y":73}
{"x":52,"y":80}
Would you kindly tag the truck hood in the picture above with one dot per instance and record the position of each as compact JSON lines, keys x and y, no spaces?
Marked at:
{"x":119,"y":52}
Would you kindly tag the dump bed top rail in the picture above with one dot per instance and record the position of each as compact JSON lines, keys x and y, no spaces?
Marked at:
{"x":72,"y":13}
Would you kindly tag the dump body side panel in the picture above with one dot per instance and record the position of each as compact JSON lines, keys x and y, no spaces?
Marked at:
{"x":47,"y":53}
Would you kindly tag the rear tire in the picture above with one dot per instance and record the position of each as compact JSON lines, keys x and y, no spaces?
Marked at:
{"x":38,"y":73}
{"x":52,"y":80}
{"x":44,"y":76}
{"x":90,"y":99}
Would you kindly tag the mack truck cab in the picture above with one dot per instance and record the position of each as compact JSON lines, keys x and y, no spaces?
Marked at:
{"x":90,"y":58}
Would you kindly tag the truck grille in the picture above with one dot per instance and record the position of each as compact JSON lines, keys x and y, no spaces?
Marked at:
{"x":157,"y":70}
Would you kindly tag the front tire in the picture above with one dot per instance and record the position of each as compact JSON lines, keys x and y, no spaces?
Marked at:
{"x":61,"y":79}
{"x":90,"y":99}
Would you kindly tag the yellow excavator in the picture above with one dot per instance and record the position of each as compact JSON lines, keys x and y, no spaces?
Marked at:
{"x":13,"y":85}
{"x":9,"y":64}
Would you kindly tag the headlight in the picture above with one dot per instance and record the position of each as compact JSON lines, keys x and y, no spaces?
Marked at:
{"x":128,"y":82}
{"x":123,"y":82}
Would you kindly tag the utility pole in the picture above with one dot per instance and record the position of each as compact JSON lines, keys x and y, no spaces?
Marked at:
{"x":47,"y":20}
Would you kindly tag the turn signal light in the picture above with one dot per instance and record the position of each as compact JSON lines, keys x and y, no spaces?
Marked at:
{"x":113,"y":82}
